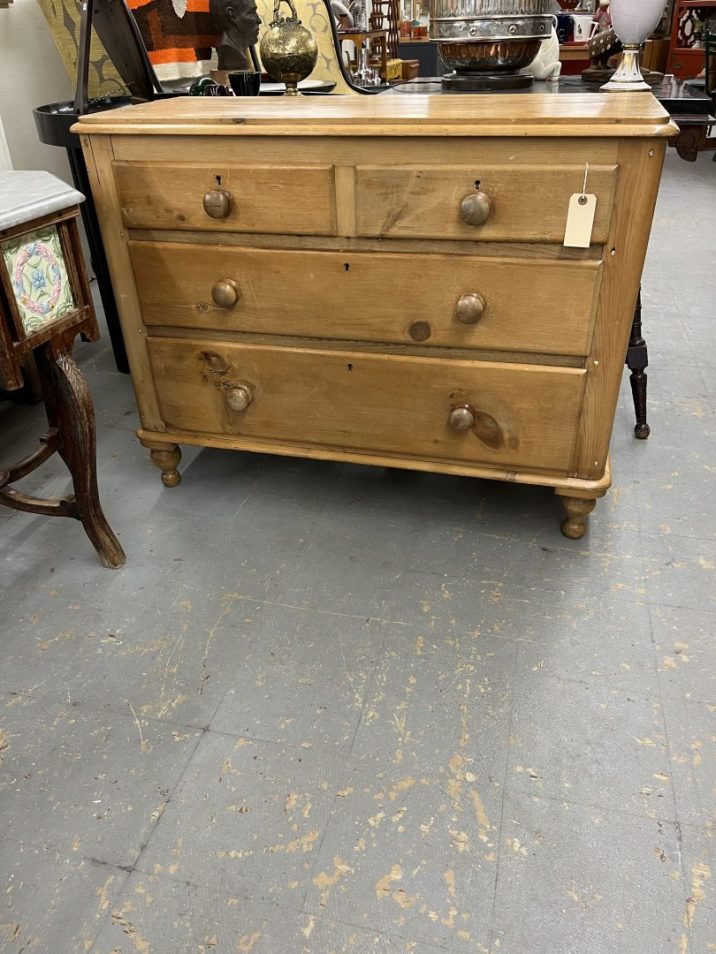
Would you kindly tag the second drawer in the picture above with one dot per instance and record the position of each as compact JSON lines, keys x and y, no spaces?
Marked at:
{"x":470,"y":302}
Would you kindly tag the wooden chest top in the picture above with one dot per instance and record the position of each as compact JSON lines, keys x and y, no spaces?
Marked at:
{"x":392,"y":114}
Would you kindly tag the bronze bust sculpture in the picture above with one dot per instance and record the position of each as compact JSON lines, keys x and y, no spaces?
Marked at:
{"x":239,"y":22}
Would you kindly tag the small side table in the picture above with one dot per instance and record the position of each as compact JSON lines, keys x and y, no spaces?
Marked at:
{"x":45,"y":303}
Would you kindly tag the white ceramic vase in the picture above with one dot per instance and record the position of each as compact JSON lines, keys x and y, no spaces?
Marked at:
{"x":633,"y":21}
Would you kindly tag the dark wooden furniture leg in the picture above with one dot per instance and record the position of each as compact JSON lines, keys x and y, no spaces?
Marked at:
{"x":637,"y":361}
{"x":71,"y":434}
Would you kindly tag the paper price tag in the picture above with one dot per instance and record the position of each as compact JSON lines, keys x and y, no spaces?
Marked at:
{"x":580,"y":219}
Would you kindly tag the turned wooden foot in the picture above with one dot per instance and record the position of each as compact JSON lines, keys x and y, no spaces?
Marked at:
{"x":167,"y":458}
{"x":637,"y":379}
{"x":638,"y":360}
{"x":578,"y":511}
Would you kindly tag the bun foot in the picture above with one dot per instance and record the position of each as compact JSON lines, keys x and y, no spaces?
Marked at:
{"x":642,"y":431}
{"x":171,"y":478}
{"x":575,"y":526}
{"x":167,"y":459}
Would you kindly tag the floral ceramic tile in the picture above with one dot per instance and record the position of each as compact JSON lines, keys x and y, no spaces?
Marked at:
{"x":39,"y":278}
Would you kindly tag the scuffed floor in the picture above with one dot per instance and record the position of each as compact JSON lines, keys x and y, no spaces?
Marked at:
{"x":337,"y":709}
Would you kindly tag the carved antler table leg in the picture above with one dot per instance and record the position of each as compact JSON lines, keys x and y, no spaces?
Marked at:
{"x":71,"y":412}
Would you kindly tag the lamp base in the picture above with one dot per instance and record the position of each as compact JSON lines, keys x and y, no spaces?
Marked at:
{"x":628,"y":78}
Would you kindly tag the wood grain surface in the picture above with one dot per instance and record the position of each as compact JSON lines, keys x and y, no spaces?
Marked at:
{"x":529,"y":202}
{"x":373,"y":402}
{"x":423,"y":115}
{"x":327,"y":298}
{"x":540,"y":306}
{"x":296,"y":200}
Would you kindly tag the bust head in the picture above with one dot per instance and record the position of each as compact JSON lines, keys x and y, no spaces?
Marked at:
{"x":239,"y":23}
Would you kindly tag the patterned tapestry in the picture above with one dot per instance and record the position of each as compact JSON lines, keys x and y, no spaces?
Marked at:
{"x":178,"y":36}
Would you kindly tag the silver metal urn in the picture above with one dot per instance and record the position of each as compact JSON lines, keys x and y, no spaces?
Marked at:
{"x":487,"y":42}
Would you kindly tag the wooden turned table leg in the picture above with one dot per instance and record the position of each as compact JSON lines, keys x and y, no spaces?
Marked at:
{"x":578,"y":510}
{"x":166,"y":457}
{"x":71,"y":416}
{"x":637,"y":360}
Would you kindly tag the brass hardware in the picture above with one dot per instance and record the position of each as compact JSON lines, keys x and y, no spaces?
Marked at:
{"x":461,"y":417}
{"x":476,"y":208}
{"x":470,"y":308}
{"x":238,"y":397}
{"x":420,"y":331}
{"x":225,"y":293}
{"x":217,"y":203}
{"x":288,"y":50}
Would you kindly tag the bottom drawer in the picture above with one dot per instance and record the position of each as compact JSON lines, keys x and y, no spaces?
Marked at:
{"x":515,"y":416}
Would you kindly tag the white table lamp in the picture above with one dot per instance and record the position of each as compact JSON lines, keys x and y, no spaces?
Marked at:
{"x":634,"y":21}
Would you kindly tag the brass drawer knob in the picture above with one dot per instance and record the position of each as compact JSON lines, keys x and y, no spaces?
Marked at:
{"x":217,"y":203}
{"x":461,"y":417}
{"x":470,"y":308}
{"x":476,"y":208}
{"x":238,"y":397}
{"x":225,"y":293}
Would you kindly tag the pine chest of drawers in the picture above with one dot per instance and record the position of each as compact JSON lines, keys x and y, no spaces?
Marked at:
{"x":381,"y":279}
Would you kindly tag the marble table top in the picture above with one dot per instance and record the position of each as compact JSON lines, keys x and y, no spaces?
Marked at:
{"x":31,"y":194}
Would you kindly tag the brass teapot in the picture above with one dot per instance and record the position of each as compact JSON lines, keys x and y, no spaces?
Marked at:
{"x":288,"y":50}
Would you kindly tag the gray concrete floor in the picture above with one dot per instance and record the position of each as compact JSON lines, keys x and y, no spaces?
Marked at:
{"x":330,"y":708}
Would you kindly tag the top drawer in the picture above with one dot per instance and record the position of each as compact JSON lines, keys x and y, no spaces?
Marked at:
{"x":527,"y":203}
{"x":298,"y":200}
